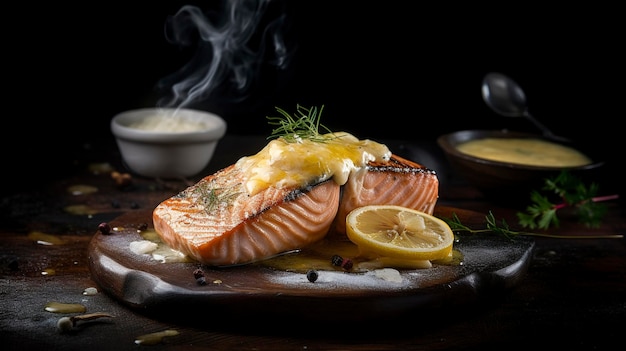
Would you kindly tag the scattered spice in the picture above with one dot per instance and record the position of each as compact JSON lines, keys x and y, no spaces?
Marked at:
{"x":344,"y":263}
{"x":104,"y":228}
{"x":198,"y":274}
{"x":312,"y":275}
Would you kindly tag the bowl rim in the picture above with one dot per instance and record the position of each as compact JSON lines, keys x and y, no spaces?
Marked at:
{"x":120,"y":129}
{"x":449,"y":141}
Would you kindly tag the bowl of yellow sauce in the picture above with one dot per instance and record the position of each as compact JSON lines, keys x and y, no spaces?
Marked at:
{"x":498,"y":160}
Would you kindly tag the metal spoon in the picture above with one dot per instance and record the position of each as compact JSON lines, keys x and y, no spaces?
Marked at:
{"x":507,"y":98}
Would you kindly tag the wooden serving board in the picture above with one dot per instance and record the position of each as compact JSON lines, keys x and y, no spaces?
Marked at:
{"x":491,"y":265}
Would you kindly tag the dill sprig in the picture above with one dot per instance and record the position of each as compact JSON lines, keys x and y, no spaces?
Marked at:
{"x":491,"y":225}
{"x":304,"y":125}
{"x":212,"y":197}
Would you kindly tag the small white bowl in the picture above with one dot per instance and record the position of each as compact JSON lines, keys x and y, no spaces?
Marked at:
{"x":167,"y":142}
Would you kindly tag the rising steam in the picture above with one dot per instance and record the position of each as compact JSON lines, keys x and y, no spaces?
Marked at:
{"x":230,"y":51}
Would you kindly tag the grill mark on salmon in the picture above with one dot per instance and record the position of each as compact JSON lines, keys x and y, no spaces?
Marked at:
{"x":216,"y":222}
{"x":398,"y":182}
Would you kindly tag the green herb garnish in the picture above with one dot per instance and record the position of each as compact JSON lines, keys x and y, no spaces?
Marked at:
{"x":542,"y":213}
{"x":304,"y":125}
{"x":572,"y":193}
{"x":492,"y":226}
{"x":212,"y":197}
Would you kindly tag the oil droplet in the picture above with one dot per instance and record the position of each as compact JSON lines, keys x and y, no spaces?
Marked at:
{"x":80,"y":210}
{"x":151,"y":234}
{"x":49,"y":271}
{"x":59,"y":307}
{"x":82,"y":189}
{"x":100,"y":168}
{"x":154,"y":338}
{"x":456,"y":259}
{"x":45,"y":239}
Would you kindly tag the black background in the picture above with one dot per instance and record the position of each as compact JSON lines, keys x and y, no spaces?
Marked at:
{"x":394,"y":69}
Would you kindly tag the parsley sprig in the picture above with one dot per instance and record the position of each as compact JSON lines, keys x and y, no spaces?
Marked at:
{"x":542,"y":213}
{"x":568,"y":191}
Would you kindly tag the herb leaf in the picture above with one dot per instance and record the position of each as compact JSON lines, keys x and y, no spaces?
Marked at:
{"x":492,"y":226}
{"x":304,"y":125}
{"x":542,"y":213}
{"x":573,"y":193}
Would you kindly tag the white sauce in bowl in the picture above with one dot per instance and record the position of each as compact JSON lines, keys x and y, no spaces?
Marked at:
{"x":169,"y":123}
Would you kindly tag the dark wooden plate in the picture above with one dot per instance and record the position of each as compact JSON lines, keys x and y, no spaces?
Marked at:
{"x":491,"y":265}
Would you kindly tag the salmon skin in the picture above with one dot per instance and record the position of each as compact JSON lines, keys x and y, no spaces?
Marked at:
{"x":216,"y":222}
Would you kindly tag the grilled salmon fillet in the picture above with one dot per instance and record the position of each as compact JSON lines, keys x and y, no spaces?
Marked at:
{"x":217,"y":222}
{"x":397,"y":181}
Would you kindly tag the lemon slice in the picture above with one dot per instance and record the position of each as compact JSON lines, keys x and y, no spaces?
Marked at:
{"x":399,"y":232}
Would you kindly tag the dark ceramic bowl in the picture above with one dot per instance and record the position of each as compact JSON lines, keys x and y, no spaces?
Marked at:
{"x":502,"y":179}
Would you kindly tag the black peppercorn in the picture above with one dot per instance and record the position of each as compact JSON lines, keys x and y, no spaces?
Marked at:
{"x":336,"y":260}
{"x":339,"y":261}
{"x":346,"y":264}
{"x":198,"y":273}
{"x":312,"y":275}
{"x":104,"y":228}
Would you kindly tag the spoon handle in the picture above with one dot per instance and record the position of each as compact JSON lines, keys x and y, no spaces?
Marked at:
{"x":546,"y":132}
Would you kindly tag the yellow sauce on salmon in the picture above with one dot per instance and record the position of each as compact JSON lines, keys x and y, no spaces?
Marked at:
{"x":533,"y":152}
{"x":284,"y":164}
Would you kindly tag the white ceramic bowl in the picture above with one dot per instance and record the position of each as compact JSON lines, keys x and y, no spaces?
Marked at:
{"x":167,"y":142}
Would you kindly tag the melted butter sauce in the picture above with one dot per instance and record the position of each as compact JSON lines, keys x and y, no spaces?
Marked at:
{"x":319,"y":255}
{"x":284,"y":164}
{"x":316,"y":256}
{"x":42,"y":238}
{"x":534,"y":152}
{"x":82,"y":189}
{"x":59,"y":307}
{"x":155,"y":338}
{"x":158,"y":250}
